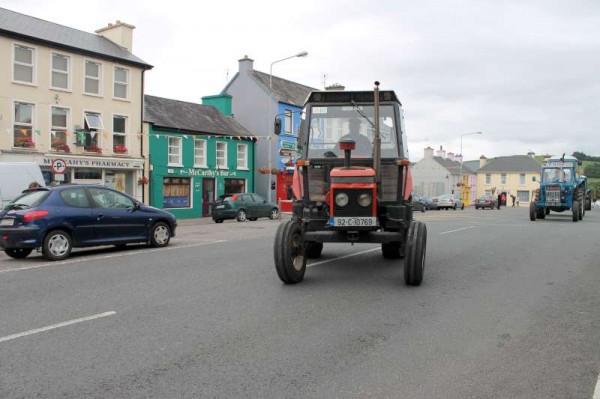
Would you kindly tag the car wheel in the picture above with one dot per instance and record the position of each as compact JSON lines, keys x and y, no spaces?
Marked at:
{"x":462,"y":208}
{"x":160,"y":235}
{"x":218,"y":220}
{"x":241,"y":216}
{"x":57,"y":245}
{"x":476,"y":208}
{"x":274,"y":214}
{"x":18,"y":253}
{"x":454,"y":207}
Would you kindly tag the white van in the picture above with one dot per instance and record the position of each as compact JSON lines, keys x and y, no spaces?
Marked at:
{"x":16,"y":177}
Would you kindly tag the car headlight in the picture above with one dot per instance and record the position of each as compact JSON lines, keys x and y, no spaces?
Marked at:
{"x":341,"y":199}
{"x":365,"y":199}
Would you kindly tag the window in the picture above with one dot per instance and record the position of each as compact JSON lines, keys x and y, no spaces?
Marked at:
{"x":522,"y":178}
{"x":503,"y":178}
{"x":87,"y":174}
{"x":174,"y":151}
{"x":221,"y":155}
{"x":176,"y":192}
{"x":288,"y":126}
{"x":242,"y":156}
{"x":88,"y":138}
{"x":105,"y":199}
{"x":23,"y":127}
{"x":121,"y":83}
{"x":93,"y":73}
{"x":119,"y":135}
{"x":523,"y":196}
{"x":58,"y":129}
{"x":75,"y":197}
{"x":24,"y":66}
{"x":234,"y":186}
{"x":61,"y":66}
{"x":200,"y":153}
{"x":488,"y":178}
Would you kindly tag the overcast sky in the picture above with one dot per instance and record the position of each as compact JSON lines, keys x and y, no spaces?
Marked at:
{"x":525,"y":73}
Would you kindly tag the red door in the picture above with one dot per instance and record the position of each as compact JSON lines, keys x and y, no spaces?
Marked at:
{"x":208,"y":195}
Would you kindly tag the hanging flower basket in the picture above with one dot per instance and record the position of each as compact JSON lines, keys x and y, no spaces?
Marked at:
{"x":143,"y":180}
{"x":93,"y":148}
{"x":61,"y":146}
{"x":264,"y":171}
{"x":25,"y":142}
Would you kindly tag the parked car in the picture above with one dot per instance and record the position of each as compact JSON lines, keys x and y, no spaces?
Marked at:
{"x":242,"y":207}
{"x":449,"y":201}
{"x":429,"y":204}
{"x":417,"y":203}
{"x":486,"y":201}
{"x":58,"y":219}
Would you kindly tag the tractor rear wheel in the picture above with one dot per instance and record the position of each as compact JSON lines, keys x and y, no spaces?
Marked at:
{"x":414,"y":260}
{"x":575,"y":210}
{"x":532,"y":211}
{"x":289,"y":256}
{"x":313,"y":250}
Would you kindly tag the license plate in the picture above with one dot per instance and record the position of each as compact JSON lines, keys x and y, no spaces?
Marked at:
{"x":220,"y":207}
{"x":354,"y":221}
{"x":7,"y":222}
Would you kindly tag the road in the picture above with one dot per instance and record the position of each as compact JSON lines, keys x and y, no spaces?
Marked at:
{"x":508,"y":309}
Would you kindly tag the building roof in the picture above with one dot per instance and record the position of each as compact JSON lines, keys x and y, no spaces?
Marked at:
{"x":473,"y":165}
{"x":453,"y":166}
{"x":513,"y":163}
{"x":31,"y":29}
{"x":283,"y":90}
{"x":190,"y":117}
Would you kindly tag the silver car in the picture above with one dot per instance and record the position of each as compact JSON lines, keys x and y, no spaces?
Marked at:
{"x":449,"y":201}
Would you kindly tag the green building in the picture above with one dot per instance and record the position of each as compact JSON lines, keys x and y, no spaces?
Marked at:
{"x":196,"y":154}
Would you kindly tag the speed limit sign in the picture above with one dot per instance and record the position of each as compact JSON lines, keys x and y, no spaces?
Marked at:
{"x":59,"y":166}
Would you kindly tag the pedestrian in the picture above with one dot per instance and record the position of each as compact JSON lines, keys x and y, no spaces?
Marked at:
{"x":513,"y":198}
{"x":499,"y":200}
{"x":504,"y":199}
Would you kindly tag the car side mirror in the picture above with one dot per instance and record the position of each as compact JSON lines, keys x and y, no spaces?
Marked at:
{"x":136,"y":206}
{"x":277,"y":126}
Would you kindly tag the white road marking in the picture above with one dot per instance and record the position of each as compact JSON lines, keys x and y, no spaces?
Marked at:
{"x":453,"y":231}
{"x":55,"y":326}
{"x":342,"y":257}
{"x":597,"y":390}
{"x":128,"y":253}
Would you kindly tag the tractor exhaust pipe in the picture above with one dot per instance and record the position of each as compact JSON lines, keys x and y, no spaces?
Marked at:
{"x":377,"y":137}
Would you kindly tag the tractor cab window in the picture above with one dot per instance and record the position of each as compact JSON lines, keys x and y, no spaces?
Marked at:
{"x":329,"y":125}
{"x":557,"y":175}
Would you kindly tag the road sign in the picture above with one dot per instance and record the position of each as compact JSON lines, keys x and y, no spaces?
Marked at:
{"x":59,"y":166}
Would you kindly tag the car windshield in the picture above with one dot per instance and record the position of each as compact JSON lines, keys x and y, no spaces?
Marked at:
{"x":445,"y":196}
{"x":331,"y":124}
{"x":28,"y":200}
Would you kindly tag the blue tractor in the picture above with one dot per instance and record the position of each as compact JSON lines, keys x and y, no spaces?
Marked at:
{"x":562,"y":189}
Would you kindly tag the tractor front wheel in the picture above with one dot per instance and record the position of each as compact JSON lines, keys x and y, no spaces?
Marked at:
{"x":414,"y":260}
{"x":575,"y":210}
{"x":532,"y":211}
{"x":289,"y":256}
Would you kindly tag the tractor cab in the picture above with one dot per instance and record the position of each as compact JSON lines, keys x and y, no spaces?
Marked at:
{"x":352,"y":183}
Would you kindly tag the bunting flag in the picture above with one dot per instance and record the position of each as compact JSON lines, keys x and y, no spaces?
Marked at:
{"x":38,"y":132}
{"x":24,"y":131}
{"x":92,"y":134}
{"x":81,"y":136}
{"x":67,"y":133}
{"x":53,"y":133}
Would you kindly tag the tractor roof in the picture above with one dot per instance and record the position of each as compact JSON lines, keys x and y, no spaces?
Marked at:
{"x":349,"y":97}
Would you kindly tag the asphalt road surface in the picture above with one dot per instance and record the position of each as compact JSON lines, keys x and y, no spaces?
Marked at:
{"x":508,"y":309}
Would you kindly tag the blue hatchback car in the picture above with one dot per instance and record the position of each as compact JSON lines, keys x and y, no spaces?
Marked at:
{"x":57,"y":219}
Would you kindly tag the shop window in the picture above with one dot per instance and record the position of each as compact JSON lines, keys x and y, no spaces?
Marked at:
{"x":176,"y":192}
{"x":235,"y":186}
{"x":523,"y":196}
{"x":23,"y":127}
{"x":87,"y":174}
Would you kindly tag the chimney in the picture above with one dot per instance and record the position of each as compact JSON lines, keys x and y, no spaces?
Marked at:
{"x":531,"y":154}
{"x":458,"y":158}
{"x":119,"y":33}
{"x":482,"y":161}
{"x":335,"y":86}
{"x":428,"y":152}
{"x":441,"y":153}
{"x":451,"y":156}
{"x":246,"y":64}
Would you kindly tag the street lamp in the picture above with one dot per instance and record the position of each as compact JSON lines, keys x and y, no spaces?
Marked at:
{"x":461,"y":161}
{"x":300,"y":54}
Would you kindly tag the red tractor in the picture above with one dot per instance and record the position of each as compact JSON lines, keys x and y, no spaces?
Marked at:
{"x":351,"y":184}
